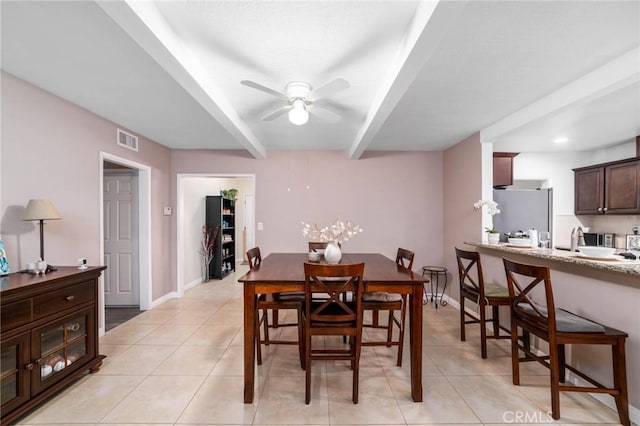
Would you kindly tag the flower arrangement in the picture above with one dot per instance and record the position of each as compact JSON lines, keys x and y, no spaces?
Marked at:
{"x":209,"y":234}
{"x":338,"y":231}
{"x":492,"y":206}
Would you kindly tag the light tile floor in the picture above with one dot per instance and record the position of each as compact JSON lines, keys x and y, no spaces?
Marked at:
{"x":182,"y":364}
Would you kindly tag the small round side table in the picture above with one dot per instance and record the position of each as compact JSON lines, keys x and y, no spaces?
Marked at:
{"x":435,"y":274}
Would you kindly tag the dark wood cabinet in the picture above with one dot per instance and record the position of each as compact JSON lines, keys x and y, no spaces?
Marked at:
{"x":610,"y":188}
{"x":49,"y":334}
{"x":221,"y":211}
{"x":503,"y":169}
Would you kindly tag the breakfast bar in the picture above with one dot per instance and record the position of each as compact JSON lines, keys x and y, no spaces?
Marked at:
{"x":606,"y":291}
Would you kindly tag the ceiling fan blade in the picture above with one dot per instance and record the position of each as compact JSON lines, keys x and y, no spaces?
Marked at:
{"x":277,"y":113}
{"x":324,"y":113}
{"x":331,"y":87}
{"x":262,"y":88}
{"x":335,"y":107}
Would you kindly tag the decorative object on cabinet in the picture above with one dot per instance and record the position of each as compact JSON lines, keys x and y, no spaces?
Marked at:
{"x":41,"y":210}
{"x":4,"y":263}
{"x":220,"y":212}
{"x":608,"y":188}
{"x":49,"y":335}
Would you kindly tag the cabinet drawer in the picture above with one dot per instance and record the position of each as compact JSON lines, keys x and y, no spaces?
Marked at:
{"x":65,"y":298}
{"x":15,"y":314}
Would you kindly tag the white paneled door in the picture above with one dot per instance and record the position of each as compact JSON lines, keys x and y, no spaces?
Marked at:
{"x":121,"y":284}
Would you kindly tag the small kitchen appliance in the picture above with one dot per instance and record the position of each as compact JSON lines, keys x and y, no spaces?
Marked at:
{"x":599,"y":239}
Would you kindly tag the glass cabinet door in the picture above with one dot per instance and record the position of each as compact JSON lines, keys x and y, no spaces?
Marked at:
{"x":59,"y":345}
{"x":14,"y":371}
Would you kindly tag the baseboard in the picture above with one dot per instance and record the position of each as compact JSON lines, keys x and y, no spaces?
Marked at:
{"x":193,"y":283}
{"x":165,"y":298}
{"x":174,"y":294}
{"x":634,"y":412}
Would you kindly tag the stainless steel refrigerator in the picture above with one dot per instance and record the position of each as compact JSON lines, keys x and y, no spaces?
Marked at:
{"x":523,"y":209}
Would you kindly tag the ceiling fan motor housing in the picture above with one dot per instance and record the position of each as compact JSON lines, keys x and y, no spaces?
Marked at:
{"x":298,"y":90}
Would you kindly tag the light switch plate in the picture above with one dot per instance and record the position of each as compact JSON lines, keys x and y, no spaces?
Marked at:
{"x":167,"y":211}
{"x":260,"y":226}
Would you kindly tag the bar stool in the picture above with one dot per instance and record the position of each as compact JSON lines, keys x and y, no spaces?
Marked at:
{"x":435,"y":272}
{"x":533,"y":310}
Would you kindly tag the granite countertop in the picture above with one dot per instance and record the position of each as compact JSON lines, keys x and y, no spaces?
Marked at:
{"x":630,"y":267}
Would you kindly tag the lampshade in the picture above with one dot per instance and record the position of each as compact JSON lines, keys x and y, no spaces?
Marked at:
{"x":298,"y":115}
{"x":40,"y":209}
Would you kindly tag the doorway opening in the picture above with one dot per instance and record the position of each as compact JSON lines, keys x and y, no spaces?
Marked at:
{"x":190,"y":218}
{"x":124,"y":239}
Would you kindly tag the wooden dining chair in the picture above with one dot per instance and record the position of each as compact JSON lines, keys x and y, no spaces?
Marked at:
{"x":474,"y":288}
{"x":275,"y":302}
{"x":539,"y":316}
{"x":391,"y":302}
{"x":317,"y":245}
{"x":333,"y":316}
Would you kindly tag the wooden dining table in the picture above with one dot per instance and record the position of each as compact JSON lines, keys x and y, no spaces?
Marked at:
{"x":280,"y":272}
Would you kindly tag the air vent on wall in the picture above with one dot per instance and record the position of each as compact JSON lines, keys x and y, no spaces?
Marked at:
{"x":127,"y":140}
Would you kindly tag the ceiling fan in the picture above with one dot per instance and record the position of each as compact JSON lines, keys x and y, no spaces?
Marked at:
{"x":301,"y":99}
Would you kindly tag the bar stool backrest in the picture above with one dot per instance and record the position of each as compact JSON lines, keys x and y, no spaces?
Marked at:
{"x":470,"y":272}
{"x":523,"y":281}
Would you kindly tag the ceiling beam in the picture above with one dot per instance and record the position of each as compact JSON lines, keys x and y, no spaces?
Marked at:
{"x":622,"y":72}
{"x":430,"y":23}
{"x":146,"y":26}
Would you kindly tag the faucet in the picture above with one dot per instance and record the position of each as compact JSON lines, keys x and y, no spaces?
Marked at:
{"x":577,"y":238}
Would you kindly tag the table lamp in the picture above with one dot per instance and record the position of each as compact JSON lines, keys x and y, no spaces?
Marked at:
{"x":41,"y":210}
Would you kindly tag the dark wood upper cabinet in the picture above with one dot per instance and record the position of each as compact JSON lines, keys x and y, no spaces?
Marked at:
{"x":503,"y":169}
{"x":610,"y":188}
{"x":589,"y":191}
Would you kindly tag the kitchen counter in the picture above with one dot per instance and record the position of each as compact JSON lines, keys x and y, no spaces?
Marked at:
{"x":622,"y":270}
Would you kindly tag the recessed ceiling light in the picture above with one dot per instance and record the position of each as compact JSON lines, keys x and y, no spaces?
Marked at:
{"x":561,"y":140}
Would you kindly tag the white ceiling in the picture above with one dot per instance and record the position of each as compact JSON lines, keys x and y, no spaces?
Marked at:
{"x":422,"y":75}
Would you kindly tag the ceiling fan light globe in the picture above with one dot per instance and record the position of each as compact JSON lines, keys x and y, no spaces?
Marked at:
{"x":298,"y":115}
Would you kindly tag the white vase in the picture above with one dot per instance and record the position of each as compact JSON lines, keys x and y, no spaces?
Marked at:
{"x":332,"y":254}
{"x":494,"y":238}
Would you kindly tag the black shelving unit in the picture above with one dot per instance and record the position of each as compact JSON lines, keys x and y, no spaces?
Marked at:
{"x":220,"y":211}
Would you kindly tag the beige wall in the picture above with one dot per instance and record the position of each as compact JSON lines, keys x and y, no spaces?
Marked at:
{"x":395,"y":197}
{"x":51,"y":149}
{"x":462,"y":165}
